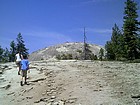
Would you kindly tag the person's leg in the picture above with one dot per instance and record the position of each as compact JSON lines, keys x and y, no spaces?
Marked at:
{"x":18,"y":72}
{"x":25,"y":76}
{"x":19,"y":68}
{"x":22,"y":75}
{"x":25,"y":80}
{"x":21,"y":82}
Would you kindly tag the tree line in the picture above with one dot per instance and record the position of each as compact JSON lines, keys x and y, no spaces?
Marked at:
{"x":8,"y":55}
{"x":125,"y":43}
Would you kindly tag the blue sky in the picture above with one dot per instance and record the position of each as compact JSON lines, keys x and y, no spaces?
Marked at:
{"x":44,"y":23}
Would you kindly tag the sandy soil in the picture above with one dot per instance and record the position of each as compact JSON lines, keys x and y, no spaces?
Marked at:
{"x":72,"y":83}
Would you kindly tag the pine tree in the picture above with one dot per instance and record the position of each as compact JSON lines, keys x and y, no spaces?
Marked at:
{"x":109,"y":51}
{"x":12,"y":51}
{"x":20,"y":44}
{"x":6,"y":54}
{"x":114,"y":46}
{"x":101,"y":54}
{"x":117,"y":42}
{"x":1,"y":53}
{"x":130,"y":28}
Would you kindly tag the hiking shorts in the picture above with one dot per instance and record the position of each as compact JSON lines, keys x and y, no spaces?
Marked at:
{"x":18,"y":63}
{"x":24,"y":73}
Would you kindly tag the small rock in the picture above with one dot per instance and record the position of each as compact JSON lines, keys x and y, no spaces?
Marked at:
{"x":44,"y":99}
{"x":4,"y":67}
{"x":53,"y":81}
{"x":51,"y":73}
{"x":49,"y":103}
{"x":61,"y":103}
{"x":135,"y":96}
{"x":1,"y":79}
{"x":29,"y":97}
{"x":11,"y":93}
{"x":49,"y":85}
{"x":37,"y":101}
{"x":51,"y":100}
{"x":43,"y":93}
{"x":48,"y":93}
{"x":1,"y":71}
{"x":71,"y":101}
{"x":7,"y":87}
{"x":24,"y":91}
{"x":53,"y":90}
{"x":53,"y":97}
{"x":56,"y":103}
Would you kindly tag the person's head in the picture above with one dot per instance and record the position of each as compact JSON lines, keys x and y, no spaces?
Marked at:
{"x":18,"y":52}
{"x":24,"y":56}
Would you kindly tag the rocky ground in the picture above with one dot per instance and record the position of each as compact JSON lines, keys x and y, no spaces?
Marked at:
{"x":72,"y":83}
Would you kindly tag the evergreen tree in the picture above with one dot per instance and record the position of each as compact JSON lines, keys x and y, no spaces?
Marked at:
{"x":6,"y":54}
{"x":101,"y":54}
{"x":12,"y":51}
{"x":117,"y":42}
{"x":130,"y":28}
{"x":20,"y":44}
{"x":114,"y":46}
{"x":88,"y":55}
{"x":1,"y":53}
{"x":109,"y":51}
{"x":121,"y":49}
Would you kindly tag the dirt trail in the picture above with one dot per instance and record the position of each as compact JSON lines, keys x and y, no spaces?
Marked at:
{"x":73,"y":83}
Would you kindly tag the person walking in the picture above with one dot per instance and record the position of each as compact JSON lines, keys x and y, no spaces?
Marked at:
{"x":18,"y":60}
{"x":24,"y":68}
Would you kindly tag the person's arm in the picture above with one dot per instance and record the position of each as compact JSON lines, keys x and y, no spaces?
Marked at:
{"x":15,"y":58}
{"x":28,"y":67}
{"x":21,"y":56}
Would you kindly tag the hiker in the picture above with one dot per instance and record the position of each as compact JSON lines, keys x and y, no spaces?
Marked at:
{"x":18,"y":60}
{"x":24,"y":68}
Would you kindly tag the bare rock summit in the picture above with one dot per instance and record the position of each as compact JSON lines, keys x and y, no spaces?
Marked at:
{"x":66,"y":48}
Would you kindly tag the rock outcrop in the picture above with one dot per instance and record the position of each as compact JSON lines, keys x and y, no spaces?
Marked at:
{"x":66,"y":48}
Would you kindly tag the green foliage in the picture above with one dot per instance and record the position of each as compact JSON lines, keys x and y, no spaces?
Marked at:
{"x":64,"y":57}
{"x":1,"y":54}
{"x":134,"y":61}
{"x":130,"y":27}
{"x":79,"y":51}
{"x":95,"y":57}
{"x":69,"y":56}
{"x":6,"y":55}
{"x":92,"y":57}
{"x":109,"y":55}
{"x":12,"y":51}
{"x":58,"y":57}
{"x":87,"y":53}
{"x":20,"y":45}
{"x":125,"y":46}
{"x":116,"y":49}
{"x":101,"y":54}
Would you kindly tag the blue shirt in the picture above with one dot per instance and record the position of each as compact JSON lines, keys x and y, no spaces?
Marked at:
{"x":24,"y":64}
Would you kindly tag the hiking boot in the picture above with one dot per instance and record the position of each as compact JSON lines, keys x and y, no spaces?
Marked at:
{"x":21,"y":83}
{"x":26,"y":83}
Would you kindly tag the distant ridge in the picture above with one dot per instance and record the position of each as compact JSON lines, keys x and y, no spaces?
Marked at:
{"x":66,"y":48}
